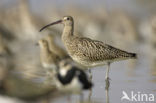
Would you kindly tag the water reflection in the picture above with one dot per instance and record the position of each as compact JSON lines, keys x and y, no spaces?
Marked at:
{"x":90,"y":94}
{"x":107,"y":95}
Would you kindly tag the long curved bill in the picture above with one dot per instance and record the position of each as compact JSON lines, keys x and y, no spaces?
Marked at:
{"x":59,"y":21}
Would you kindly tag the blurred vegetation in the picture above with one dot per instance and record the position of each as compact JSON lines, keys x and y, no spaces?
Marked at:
{"x":19,"y":57}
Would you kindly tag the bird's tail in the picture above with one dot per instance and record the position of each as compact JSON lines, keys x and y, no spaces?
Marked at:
{"x":133,"y":55}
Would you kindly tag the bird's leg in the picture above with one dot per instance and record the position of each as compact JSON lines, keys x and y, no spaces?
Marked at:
{"x":81,"y":97}
{"x":90,"y":78}
{"x":107,"y":95}
{"x":90,"y":74}
{"x":107,"y":77}
{"x":90,"y":94}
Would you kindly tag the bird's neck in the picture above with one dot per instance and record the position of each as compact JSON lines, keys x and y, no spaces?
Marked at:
{"x":67,"y":33}
{"x":45,"y":51}
{"x":52,"y":44}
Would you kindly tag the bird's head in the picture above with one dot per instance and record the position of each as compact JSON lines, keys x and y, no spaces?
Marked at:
{"x":66,"y":20}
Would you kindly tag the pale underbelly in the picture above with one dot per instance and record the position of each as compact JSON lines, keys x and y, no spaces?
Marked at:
{"x":89,"y":63}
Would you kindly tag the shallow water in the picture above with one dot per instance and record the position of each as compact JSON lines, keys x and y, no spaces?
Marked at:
{"x":138,"y":80}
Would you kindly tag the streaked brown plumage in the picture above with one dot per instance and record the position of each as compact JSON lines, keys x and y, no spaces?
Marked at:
{"x":89,"y":52}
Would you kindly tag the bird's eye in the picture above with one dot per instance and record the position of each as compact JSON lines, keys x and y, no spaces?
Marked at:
{"x":67,"y":18}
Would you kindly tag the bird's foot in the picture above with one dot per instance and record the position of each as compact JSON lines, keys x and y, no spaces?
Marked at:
{"x":90,"y":94}
{"x":107,"y":83}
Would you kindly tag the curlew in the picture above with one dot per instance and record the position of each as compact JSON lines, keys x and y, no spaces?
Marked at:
{"x":71,"y":79}
{"x":89,"y":52}
{"x":49,"y":60}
